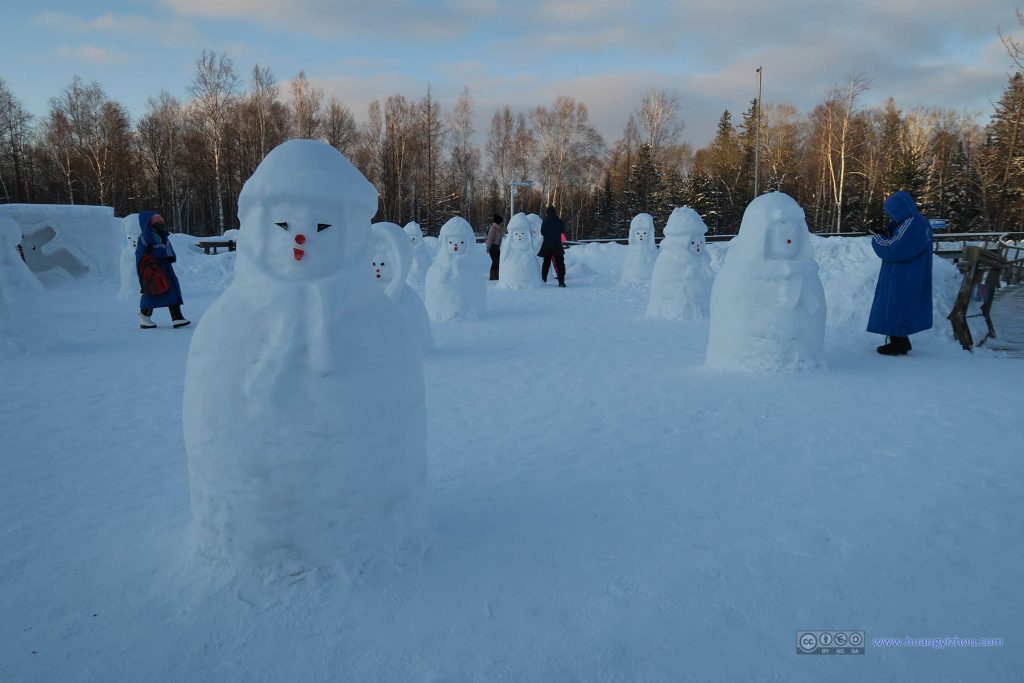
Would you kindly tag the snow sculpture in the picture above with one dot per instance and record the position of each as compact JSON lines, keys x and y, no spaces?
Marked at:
{"x":129,"y":275}
{"x":682,"y":277}
{"x":535,"y":236}
{"x":25,"y":318}
{"x":392,"y":256}
{"x":767,"y":305}
{"x":519,"y":268}
{"x":641,"y":252}
{"x":63,"y":242}
{"x":421,"y":256}
{"x":456,"y":283}
{"x":304,"y":410}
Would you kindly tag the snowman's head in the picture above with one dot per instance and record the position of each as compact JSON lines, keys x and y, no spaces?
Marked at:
{"x":777,"y":222}
{"x":415,"y":233}
{"x":130,"y":228}
{"x":641,"y":230}
{"x":456,"y":237}
{"x":383,"y":267}
{"x":686,"y":227}
{"x":519,"y":228}
{"x":305,"y":213}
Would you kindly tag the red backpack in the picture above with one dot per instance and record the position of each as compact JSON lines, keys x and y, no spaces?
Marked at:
{"x":151,"y":276}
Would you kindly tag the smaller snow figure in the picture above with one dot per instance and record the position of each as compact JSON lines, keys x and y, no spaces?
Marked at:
{"x":392,"y":254}
{"x":682,"y":277}
{"x":421,"y":256}
{"x":767,"y":304}
{"x":129,"y":276}
{"x":25,"y":318}
{"x":519,"y":267}
{"x":641,"y":252}
{"x":456,"y":284}
{"x":535,"y":223}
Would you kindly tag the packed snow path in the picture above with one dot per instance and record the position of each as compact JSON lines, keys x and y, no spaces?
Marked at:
{"x":603,"y":509}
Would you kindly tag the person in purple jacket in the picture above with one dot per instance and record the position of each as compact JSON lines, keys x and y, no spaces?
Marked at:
{"x":153,"y":258}
{"x":903,"y":295}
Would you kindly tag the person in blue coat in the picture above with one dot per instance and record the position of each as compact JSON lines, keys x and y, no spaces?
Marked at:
{"x":903,"y":295}
{"x":153,"y":258}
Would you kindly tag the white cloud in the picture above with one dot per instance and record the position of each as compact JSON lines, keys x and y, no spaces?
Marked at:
{"x":91,"y":53}
{"x":171,"y":32}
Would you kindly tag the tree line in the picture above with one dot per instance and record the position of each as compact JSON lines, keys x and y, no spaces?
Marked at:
{"x":189,"y":158}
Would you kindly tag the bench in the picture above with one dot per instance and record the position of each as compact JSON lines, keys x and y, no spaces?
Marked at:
{"x":211,"y":246}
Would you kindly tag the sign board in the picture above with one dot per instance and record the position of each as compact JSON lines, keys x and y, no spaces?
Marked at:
{"x":938,"y":223}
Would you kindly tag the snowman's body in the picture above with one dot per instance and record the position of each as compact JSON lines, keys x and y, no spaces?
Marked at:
{"x":519,"y":266}
{"x":641,"y":252}
{"x":682,"y":277}
{"x":304,"y":400}
{"x":421,"y":257}
{"x":456,"y":285}
{"x":129,"y":275}
{"x":392,"y":259}
{"x":768,"y":306}
{"x":26,"y":321}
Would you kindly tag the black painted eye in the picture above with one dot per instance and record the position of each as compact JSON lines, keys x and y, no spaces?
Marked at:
{"x":283,"y":225}
{"x":381,"y":264}
{"x":320,"y":227}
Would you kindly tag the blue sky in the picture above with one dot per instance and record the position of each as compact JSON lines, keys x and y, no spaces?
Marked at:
{"x":605,"y":53}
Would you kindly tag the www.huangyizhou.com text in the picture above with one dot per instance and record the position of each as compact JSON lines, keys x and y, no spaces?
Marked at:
{"x":937,"y":643}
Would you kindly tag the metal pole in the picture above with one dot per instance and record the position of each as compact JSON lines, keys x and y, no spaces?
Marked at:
{"x":511,"y":200}
{"x":757,"y":134}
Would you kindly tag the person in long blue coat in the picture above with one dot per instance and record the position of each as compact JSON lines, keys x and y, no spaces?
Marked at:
{"x":158,"y":279}
{"x":903,"y":295}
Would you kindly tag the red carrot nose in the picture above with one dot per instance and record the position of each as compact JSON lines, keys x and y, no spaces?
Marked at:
{"x":300,"y":239}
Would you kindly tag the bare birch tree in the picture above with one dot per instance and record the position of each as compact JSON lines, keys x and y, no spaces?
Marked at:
{"x":213,"y":90}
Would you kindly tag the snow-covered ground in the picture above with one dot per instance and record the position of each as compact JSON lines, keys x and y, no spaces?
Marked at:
{"x":602,"y":507}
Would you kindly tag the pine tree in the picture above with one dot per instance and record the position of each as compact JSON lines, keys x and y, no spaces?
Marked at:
{"x":644,"y":186}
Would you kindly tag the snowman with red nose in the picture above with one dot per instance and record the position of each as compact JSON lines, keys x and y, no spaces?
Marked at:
{"x":304,"y":410}
{"x":768,"y":306}
{"x":456,"y":285}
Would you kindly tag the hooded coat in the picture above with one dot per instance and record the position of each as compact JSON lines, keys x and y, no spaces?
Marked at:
{"x":551,"y":230}
{"x":159,"y":245}
{"x":903,"y":295}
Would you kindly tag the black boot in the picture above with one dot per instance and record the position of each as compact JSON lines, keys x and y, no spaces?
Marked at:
{"x":895,"y":346}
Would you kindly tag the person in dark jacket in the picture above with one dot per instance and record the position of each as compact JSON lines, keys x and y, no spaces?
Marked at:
{"x":153,"y":258}
{"x":493,"y":243}
{"x":903,"y":295}
{"x":552,"y":230}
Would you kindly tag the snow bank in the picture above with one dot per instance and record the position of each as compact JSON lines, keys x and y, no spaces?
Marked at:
{"x":25,"y":318}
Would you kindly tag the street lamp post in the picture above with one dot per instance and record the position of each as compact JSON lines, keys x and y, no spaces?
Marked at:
{"x":757,"y":134}
{"x":512,"y":185}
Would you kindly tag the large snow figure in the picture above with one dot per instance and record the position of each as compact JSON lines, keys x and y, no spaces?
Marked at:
{"x":25,"y":318}
{"x":421,"y":256}
{"x":519,"y":267}
{"x":641,"y":252}
{"x":129,"y":274}
{"x":682,"y":277}
{"x":767,"y":304}
{"x":457,"y":280}
{"x":304,"y":408}
{"x":392,"y":256}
